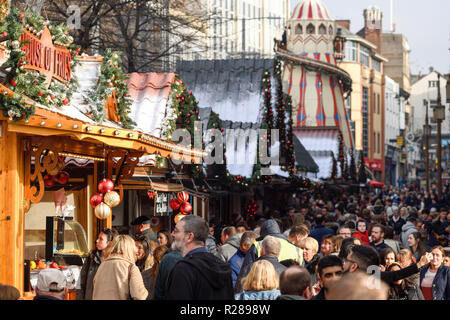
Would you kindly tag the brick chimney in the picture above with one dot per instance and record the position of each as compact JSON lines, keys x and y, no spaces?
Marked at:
{"x":373,"y":27}
{"x":344,"y":23}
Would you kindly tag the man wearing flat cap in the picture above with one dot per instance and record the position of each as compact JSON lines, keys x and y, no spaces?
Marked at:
{"x":142,"y":227}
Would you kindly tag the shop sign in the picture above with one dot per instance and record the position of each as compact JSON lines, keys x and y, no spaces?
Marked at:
{"x":374,"y":164}
{"x":46,"y":58}
{"x":162,"y":207}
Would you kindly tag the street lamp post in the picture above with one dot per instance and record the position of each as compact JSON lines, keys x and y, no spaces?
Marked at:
{"x":439,"y":116}
{"x":426,"y":132}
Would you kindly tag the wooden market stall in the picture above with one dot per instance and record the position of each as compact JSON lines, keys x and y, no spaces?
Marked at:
{"x":46,"y":122}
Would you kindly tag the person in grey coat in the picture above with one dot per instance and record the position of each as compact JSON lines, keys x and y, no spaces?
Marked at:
{"x":408,"y":228}
{"x":231,"y":242}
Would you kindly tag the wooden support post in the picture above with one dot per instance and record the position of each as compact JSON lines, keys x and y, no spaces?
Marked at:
{"x":11,"y":208}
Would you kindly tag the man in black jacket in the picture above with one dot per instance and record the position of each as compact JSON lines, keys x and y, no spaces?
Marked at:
{"x":199,"y":275}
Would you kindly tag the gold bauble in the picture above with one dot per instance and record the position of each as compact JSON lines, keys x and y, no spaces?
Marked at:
{"x":112,"y":199}
{"x":178,"y":217}
{"x":102,"y":211}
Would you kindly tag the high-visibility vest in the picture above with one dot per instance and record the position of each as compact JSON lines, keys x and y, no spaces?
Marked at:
{"x":287,"y":251}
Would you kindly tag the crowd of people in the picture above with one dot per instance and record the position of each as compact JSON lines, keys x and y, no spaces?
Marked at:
{"x":386,"y":246}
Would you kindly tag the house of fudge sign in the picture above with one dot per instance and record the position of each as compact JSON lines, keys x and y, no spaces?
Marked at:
{"x":44,"y":57}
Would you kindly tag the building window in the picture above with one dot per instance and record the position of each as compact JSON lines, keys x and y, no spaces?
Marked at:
{"x":376,"y":65}
{"x":310,"y":29}
{"x":364,"y":56}
{"x":299,"y":29}
{"x":322,"y":29}
{"x":365,"y":116}
{"x":432,"y":84}
{"x":350,"y":51}
{"x":330,"y":30}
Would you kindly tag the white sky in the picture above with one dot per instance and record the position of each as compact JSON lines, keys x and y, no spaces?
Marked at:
{"x":426,"y":25}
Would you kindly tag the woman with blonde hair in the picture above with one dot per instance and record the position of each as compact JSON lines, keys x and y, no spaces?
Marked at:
{"x":118,"y":277}
{"x":261,"y":282}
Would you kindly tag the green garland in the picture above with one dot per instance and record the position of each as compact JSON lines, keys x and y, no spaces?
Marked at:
{"x":31,"y":84}
{"x":111,"y":79}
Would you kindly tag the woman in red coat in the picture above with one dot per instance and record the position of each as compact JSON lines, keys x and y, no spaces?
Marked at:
{"x":362,"y":233}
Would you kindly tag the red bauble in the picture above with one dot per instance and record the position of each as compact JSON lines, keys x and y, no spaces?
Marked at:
{"x":182,"y":196}
{"x":95,"y":200}
{"x":62,"y":177}
{"x":66,"y":101}
{"x":40,"y":94}
{"x":174,"y":204}
{"x":4,"y":33}
{"x":12,"y":82}
{"x":49,"y":181}
{"x":186,"y":208}
{"x":105,"y":185}
{"x":52,"y":96}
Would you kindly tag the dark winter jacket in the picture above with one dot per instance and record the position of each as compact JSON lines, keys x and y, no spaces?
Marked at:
{"x":200,"y":276}
{"x":311,"y":266}
{"x":165,"y":268}
{"x":236,"y":263}
{"x":441,"y":282}
{"x":397,"y":225}
{"x":87,"y":275}
{"x":380,"y":246}
{"x":319,"y":232}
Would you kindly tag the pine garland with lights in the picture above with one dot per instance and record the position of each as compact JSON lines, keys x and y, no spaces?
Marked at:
{"x":111,"y":80}
{"x":252,"y":208}
{"x":362,"y":175}
{"x":334,"y":173}
{"x":341,"y":154}
{"x":31,"y":84}
{"x":352,"y":169}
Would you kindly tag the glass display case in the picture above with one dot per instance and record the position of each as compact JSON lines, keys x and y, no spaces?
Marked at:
{"x":65,"y":239}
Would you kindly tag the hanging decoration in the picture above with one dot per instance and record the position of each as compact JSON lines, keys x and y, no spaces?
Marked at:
{"x":105,"y":185}
{"x":178,"y":217}
{"x":334,"y":173}
{"x":21,"y":31}
{"x":111,"y":82}
{"x":112,"y":199}
{"x":182,"y":196}
{"x":186,"y":208}
{"x":102,"y":211}
{"x":151,"y":194}
{"x":95,"y":200}
{"x":341,"y":154}
{"x":362,"y":175}
{"x":352,"y":169}
{"x":252,"y":208}
{"x":174,"y":204}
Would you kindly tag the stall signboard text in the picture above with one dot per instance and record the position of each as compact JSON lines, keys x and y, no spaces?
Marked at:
{"x":46,"y":58}
{"x":162,"y":207}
